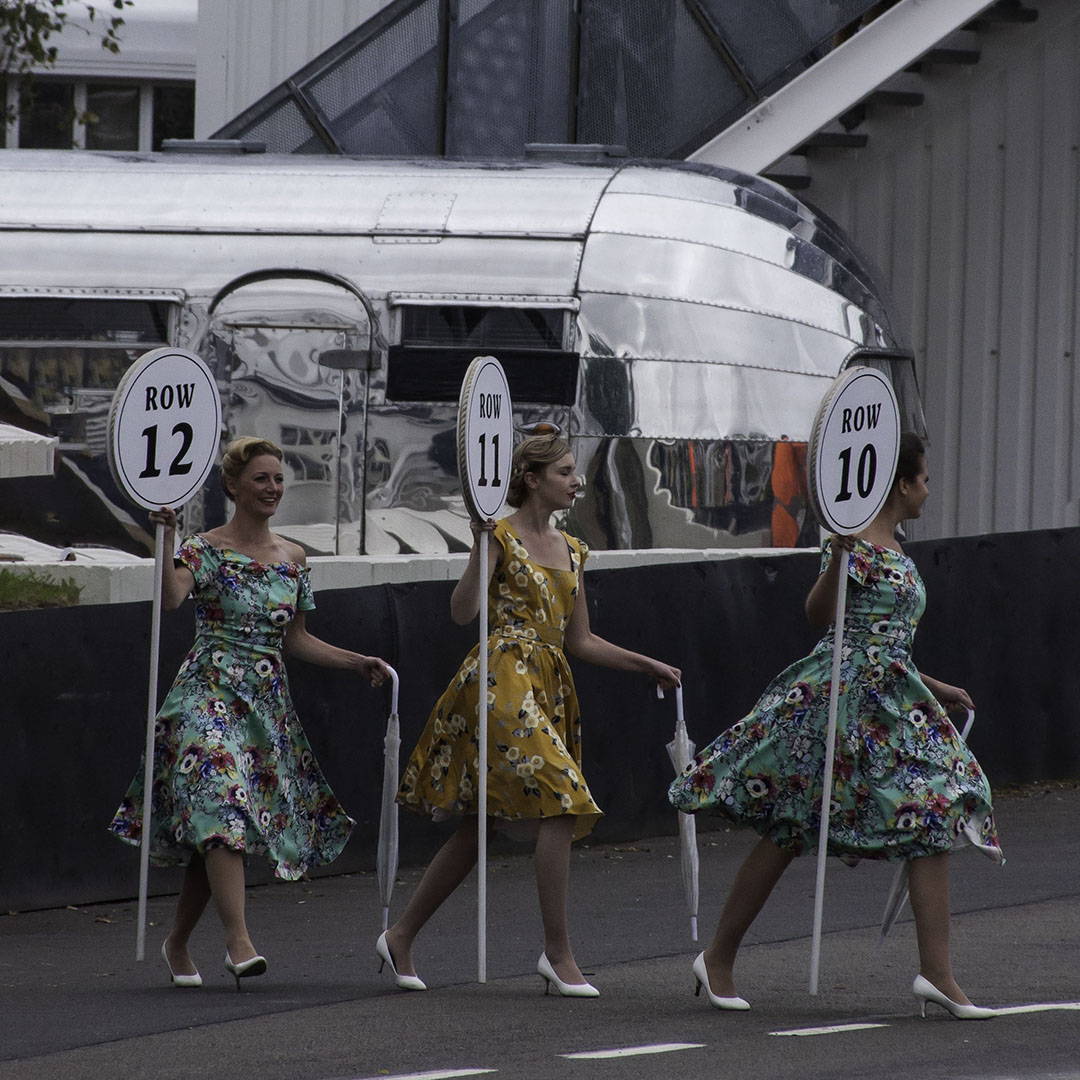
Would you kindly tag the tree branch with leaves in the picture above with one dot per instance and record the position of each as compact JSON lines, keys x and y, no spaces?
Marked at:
{"x":27,"y":27}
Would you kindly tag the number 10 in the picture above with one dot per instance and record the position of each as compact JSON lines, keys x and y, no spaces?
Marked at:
{"x":864,"y":476}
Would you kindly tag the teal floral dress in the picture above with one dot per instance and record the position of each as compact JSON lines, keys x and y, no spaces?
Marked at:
{"x":534,"y":727}
{"x":905,"y":784}
{"x":232,"y":766}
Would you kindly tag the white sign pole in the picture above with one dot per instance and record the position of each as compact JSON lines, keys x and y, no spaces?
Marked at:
{"x":151,"y":720}
{"x":482,"y":771}
{"x":851,"y":462}
{"x":827,"y":772}
{"x":164,"y":432}
{"x":485,"y":443}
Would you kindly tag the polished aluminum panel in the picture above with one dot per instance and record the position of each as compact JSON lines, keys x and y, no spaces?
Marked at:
{"x":515,"y":266}
{"x":671,"y":329}
{"x":815,"y":236}
{"x":225,"y":194}
{"x":659,"y":399}
{"x":697,"y":274}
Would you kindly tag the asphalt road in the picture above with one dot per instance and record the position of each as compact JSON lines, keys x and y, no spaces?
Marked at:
{"x":75,"y":1004}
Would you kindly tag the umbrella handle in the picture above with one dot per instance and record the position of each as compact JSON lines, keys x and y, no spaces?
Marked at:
{"x":678,"y":700}
{"x":967,"y":723}
{"x":394,"y":686}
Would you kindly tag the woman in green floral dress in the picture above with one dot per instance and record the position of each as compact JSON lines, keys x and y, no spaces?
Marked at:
{"x":536,"y":600}
{"x":905,"y":785}
{"x":233,"y":770}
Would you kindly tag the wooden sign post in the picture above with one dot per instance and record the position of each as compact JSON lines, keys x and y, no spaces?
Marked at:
{"x":485,"y":443}
{"x":851,"y":463}
{"x":164,"y":432}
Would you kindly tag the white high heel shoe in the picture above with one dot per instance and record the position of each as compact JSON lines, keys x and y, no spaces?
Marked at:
{"x":924,"y":991}
{"x":404,"y":982}
{"x":701,"y":974}
{"x":547,"y":972}
{"x":184,"y":981}
{"x":246,"y":969}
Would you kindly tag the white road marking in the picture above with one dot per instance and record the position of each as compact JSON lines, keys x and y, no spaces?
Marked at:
{"x":831,"y":1030}
{"x":1013,"y":1010}
{"x":437,"y":1074}
{"x":633,"y":1051}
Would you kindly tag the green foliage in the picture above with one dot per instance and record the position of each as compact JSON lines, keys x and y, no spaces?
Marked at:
{"x":20,"y":591}
{"x":27,"y":25}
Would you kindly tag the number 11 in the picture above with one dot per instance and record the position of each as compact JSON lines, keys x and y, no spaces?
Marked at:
{"x":483,"y":481}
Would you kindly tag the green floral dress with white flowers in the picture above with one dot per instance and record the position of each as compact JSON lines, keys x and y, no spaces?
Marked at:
{"x":232,"y":766}
{"x":905,"y":784}
{"x":534,"y":728}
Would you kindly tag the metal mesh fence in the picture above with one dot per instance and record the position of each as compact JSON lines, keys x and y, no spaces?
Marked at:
{"x":509,"y":76}
{"x":385,"y":96}
{"x":285,"y":131}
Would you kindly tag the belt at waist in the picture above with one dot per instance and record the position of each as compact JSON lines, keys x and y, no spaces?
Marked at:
{"x":866,"y":638}
{"x":551,"y":638}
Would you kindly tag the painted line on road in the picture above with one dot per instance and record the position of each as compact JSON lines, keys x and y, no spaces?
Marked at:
{"x":437,"y":1074}
{"x":1014,"y":1010}
{"x":833,"y":1029}
{"x":633,"y":1051}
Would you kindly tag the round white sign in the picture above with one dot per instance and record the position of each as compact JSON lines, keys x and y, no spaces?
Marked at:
{"x":485,"y":437}
{"x":164,"y":428}
{"x":853,"y":450}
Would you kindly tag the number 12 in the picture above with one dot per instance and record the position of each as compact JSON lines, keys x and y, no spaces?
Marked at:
{"x":178,"y":467}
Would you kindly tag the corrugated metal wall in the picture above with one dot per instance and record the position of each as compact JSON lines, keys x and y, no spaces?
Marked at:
{"x":968,"y":204}
{"x":247,"y":47}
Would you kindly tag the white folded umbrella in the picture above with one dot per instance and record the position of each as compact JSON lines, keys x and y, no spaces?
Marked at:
{"x":681,"y":752}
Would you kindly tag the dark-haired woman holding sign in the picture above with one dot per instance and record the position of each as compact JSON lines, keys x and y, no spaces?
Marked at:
{"x":905,"y":786}
{"x":536,"y":602}
{"x":233,"y":771}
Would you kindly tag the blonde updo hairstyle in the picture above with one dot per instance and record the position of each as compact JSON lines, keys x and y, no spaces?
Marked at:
{"x":532,"y":455}
{"x":239,"y":452}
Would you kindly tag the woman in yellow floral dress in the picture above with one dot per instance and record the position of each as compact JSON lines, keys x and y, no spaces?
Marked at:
{"x":536,"y":603}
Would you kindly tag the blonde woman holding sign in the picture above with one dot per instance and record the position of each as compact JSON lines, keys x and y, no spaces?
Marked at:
{"x":537,"y":613}
{"x":233,"y":771}
{"x":905,"y":786}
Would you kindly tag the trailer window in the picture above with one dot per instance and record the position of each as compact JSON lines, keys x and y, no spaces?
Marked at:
{"x":61,"y":359}
{"x":33,"y":319}
{"x":438,"y":343}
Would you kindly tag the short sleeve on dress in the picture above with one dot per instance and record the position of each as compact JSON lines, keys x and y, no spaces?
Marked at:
{"x":579,"y":550}
{"x":305,"y":596}
{"x":200,"y":558}
{"x":859,"y":561}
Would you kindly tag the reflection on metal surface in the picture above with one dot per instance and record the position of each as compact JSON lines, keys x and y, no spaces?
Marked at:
{"x":679,"y":323}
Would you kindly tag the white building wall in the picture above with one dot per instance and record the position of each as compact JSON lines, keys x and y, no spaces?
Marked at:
{"x":247,"y":47}
{"x":157,"y":41}
{"x":968,"y":204}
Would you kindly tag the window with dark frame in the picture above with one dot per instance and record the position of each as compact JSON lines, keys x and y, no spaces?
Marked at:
{"x":438,"y":342}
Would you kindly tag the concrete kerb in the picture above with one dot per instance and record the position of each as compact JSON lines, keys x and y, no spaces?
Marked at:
{"x":131,"y":582}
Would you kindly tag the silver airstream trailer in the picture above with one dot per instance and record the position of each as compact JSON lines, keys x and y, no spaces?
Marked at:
{"x":679,"y":322}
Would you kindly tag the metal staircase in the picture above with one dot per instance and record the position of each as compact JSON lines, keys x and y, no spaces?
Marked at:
{"x":883,"y":66}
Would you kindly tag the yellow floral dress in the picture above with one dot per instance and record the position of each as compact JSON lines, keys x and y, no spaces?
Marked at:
{"x":534,"y":726}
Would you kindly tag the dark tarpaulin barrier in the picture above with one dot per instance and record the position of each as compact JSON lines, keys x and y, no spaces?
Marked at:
{"x":999,"y":622}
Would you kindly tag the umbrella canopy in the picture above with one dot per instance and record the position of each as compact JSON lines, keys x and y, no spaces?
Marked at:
{"x":681,"y":752}
{"x":898,"y":892}
{"x":386,"y":859}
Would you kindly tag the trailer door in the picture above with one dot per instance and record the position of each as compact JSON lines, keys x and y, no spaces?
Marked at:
{"x":292,"y":356}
